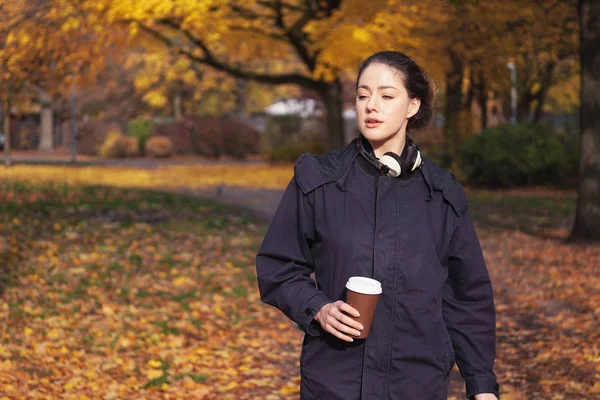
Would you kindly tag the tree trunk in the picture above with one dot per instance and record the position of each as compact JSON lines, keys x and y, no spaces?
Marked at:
{"x":545,"y":83}
{"x":332,"y":97}
{"x":483,"y":101}
{"x":7,"y":134}
{"x":46,"y":125}
{"x":524,"y":106}
{"x":177,"y":111}
{"x":454,"y":78}
{"x":587,"y":218}
{"x":240,"y":97}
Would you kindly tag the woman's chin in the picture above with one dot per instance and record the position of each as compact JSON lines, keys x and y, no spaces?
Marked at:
{"x":376,"y":135}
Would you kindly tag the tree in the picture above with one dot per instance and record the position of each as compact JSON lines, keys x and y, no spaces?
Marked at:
{"x":587,"y":219}
{"x":306,"y":43}
{"x":46,"y":46}
{"x":545,"y":38}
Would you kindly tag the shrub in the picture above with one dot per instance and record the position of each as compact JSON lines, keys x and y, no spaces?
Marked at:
{"x":290,"y":150}
{"x":92,"y":134}
{"x":131,"y":145}
{"x":239,"y":138}
{"x":521,"y":154}
{"x":206,"y":134}
{"x":179,"y":133}
{"x":159,"y":146}
{"x":116,"y":145}
{"x":141,"y":129}
{"x":227,"y":136}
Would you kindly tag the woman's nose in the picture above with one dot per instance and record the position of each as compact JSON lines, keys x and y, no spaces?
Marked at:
{"x":372,"y":104}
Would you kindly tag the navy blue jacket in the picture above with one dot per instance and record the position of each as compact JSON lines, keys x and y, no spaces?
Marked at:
{"x":338,"y":218}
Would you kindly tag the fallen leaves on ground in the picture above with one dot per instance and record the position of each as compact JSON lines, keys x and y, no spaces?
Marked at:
{"x":126,"y":294}
{"x":114,"y":293}
{"x":548,"y":304}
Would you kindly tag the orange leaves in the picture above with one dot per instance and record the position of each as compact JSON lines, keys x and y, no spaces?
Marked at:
{"x":546,"y":292}
{"x":135,"y":310}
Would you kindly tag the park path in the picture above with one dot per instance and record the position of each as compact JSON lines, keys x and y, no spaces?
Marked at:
{"x":260,"y":201}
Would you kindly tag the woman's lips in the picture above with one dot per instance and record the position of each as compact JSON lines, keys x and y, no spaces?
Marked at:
{"x":372,"y":123}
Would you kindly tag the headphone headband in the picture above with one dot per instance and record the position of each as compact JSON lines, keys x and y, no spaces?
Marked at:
{"x":390,"y":163}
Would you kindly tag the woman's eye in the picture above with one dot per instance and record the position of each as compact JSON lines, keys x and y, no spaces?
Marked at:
{"x":362,"y":97}
{"x":387,"y":97}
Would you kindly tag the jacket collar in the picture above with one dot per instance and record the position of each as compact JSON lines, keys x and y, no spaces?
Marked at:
{"x":344,"y":158}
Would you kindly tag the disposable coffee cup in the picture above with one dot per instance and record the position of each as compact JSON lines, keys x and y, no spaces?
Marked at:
{"x":363,"y":294}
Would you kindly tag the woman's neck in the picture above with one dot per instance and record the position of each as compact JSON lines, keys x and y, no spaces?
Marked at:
{"x":394,"y":144}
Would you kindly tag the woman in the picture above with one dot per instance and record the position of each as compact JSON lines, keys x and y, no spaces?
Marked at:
{"x":375,"y":209}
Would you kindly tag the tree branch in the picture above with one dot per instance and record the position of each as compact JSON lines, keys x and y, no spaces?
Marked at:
{"x":273,"y":6}
{"x":211,"y":60}
{"x":270,"y":35}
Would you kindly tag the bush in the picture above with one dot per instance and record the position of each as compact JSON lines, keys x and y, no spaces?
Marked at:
{"x":239,"y":138}
{"x":290,"y":150}
{"x":117,"y":146}
{"x":179,"y":133}
{"x":92,"y":134}
{"x":131,"y":145}
{"x":522,"y":154}
{"x":159,"y":146}
{"x":206,"y":134}
{"x":227,"y":136}
{"x":141,"y":129}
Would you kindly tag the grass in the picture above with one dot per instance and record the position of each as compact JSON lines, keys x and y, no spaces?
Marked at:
{"x":530,"y":211}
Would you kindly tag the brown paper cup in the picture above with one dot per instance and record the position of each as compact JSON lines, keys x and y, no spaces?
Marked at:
{"x":363,"y":294}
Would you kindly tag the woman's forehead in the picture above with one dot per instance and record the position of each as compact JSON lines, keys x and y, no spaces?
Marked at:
{"x":376,"y":75}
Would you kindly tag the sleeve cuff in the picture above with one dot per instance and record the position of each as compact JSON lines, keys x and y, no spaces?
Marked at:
{"x":313,"y":306}
{"x":481,"y":384}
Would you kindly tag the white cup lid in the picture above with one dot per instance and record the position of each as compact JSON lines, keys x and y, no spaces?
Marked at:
{"x":361,"y":284}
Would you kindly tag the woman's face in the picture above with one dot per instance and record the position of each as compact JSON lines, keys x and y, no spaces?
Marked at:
{"x":383,"y":106}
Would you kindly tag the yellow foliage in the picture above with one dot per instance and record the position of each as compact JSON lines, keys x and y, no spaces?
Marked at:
{"x":107,"y":148}
{"x":198,"y":176}
{"x":154,"y":373}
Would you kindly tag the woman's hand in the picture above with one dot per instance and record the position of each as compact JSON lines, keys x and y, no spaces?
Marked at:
{"x":333,"y":320}
{"x":485,"y":396}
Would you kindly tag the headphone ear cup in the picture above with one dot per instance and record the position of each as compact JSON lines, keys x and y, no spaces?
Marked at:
{"x":411,"y":155}
{"x":393,"y":162}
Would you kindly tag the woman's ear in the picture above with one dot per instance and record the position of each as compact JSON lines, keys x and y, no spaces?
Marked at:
{"x":413,"y":107}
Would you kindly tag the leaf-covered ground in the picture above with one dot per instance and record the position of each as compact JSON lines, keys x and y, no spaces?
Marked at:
{"x":116,"y":294}
{"x":112,"y":293}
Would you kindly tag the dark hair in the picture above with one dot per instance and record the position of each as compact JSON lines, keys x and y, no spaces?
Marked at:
{"x":415,"y":81}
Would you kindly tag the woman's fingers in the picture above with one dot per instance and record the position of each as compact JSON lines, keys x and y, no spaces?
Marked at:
{"x":348,"y":309}
{"x":329,"y":328}
{"x":334,"y":319}
{"x":343,"y":326}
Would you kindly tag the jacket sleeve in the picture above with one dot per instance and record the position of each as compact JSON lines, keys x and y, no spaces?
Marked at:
{"x":468,"y":310}
{"x":284,"y":262}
